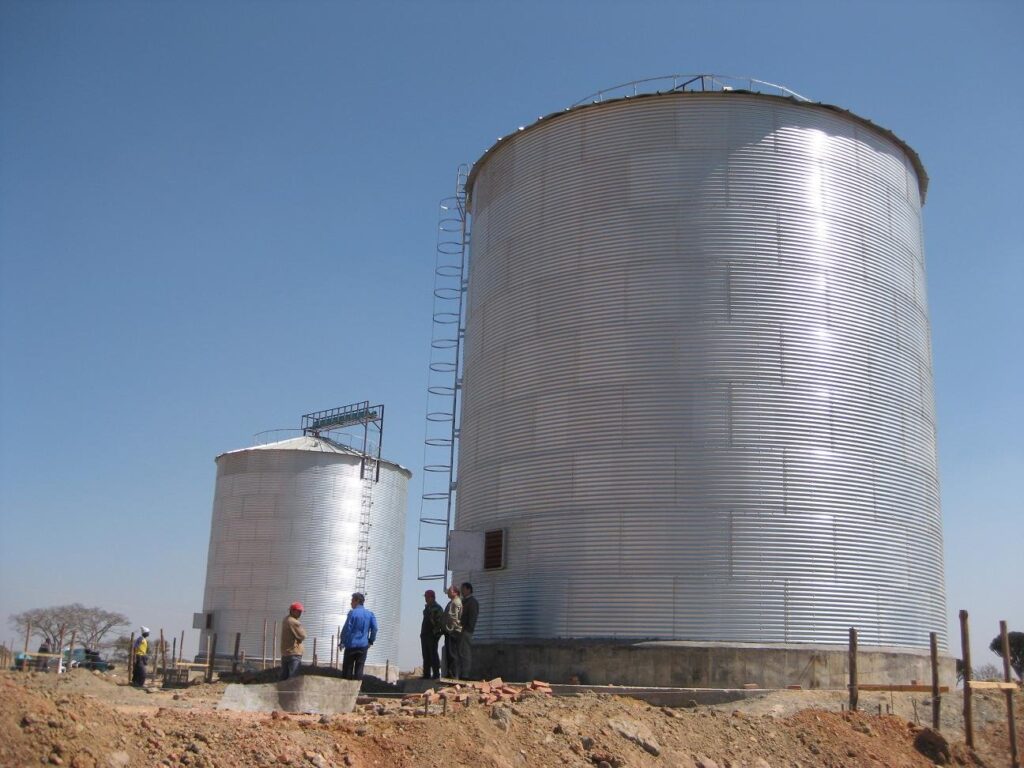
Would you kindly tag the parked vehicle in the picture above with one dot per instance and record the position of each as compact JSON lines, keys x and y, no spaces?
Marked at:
{"x":86,"y":658}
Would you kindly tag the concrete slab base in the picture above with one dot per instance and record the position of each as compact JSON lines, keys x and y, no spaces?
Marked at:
{"x":664,"y":697}
{"x":688,"y":665}
{"x":419,"y":685}
{"x":305,"y":693}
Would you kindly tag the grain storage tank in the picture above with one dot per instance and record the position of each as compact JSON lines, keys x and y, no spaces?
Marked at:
{"x":306,"y":518}
{"x":698,"y":402}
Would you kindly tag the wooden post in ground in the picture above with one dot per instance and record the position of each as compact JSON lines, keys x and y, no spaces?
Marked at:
{"x":174,"y":652}
{"x":314,"y":651}
{"x":71,"y":649}
{"x":131,"y":659}
{"x":853,"y":669}
{"x":28,"y":634}
{"x":273,"y":640}
{"x":208,"y":677}
{"x":163,"y":651}
{"x":234,"y":656}
{"x":181,"y":646}
{"x":933,"y":641}
{"x":965,"y":644}
{"x":337,"y":655}
{"x":334,"y":648}
{"x":60,"y":648}
{"x":264,"y":644}
{"x":1011,"y":721}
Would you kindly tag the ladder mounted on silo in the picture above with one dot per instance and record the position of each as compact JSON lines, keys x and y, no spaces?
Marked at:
{"x":444,"y":382}
{"x":370,"y":418}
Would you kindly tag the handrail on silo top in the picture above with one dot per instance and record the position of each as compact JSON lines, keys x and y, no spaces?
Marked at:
{"x":705,"y":81}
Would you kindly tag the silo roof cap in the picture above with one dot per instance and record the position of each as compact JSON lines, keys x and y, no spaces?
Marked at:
{"x":706,"y":86}
{"x":309,"y":443}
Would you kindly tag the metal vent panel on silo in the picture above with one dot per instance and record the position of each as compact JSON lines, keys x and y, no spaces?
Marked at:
{"x":698,"y":380}
{"x":285,"y":527}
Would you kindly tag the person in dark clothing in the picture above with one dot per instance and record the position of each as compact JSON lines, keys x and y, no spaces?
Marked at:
{"x":430,"y":632}
{"x":43,"y":662}
{"x":470,"y":612}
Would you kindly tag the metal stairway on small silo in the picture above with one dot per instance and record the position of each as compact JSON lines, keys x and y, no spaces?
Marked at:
{"x":361,"y":414}
{"x":369,"y":474}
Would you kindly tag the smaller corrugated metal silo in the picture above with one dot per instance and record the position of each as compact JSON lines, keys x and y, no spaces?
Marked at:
{"x":291,"y":520}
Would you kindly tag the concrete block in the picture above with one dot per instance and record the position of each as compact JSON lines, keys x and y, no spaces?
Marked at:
{"x":304,"y":693}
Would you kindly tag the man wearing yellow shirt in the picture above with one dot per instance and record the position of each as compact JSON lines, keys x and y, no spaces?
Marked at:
{"x":141,"y":651}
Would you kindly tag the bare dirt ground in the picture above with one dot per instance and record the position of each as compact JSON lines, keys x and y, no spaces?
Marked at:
{"x":88,"y":720}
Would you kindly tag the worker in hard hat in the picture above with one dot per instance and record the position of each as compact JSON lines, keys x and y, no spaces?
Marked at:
{"x":292,"y":635}
{"x":141,"y":649}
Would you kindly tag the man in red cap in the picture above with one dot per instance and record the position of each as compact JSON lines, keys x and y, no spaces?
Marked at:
{"x":430,"y":632}
{"x":292,"y":635}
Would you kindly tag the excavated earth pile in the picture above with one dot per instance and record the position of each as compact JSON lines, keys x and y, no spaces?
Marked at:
{"x":85,"y":720}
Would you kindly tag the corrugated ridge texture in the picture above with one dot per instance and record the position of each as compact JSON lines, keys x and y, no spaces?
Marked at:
{"x":285,"y":527}
{"x":698,"y":379}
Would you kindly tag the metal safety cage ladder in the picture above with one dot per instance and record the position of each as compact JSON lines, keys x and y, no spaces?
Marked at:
{"x":444,"y":381}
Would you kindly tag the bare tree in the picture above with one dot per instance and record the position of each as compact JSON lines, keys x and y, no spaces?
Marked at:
{"x":121,"y":648}
{"x":94,"y":624}
{"x":91,"y":625}
{"x":988,"y":672}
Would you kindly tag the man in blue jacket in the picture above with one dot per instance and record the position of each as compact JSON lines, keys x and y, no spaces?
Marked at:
{"x":357,"y":636}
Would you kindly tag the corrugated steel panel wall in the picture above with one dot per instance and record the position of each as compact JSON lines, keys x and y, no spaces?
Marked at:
{"x":698,"y":378}
{"x":285,"y":528}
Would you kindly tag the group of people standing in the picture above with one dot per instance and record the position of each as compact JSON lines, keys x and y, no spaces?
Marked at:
{"x":456,"y":622}
{"x":357,"y":635}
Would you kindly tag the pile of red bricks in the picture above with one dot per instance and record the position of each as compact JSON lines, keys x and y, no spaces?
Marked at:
{"x":486,"y":692}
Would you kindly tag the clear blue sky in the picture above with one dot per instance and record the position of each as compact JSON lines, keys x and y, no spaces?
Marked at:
{"x":215,"y":217}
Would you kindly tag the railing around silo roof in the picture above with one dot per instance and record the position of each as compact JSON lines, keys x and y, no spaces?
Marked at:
{"x":688,"y":83}
{"x":343,"y":439}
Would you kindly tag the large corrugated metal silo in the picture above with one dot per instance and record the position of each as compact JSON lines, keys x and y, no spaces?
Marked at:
{"x":288,"y":518}
{"x":698,"y":378}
